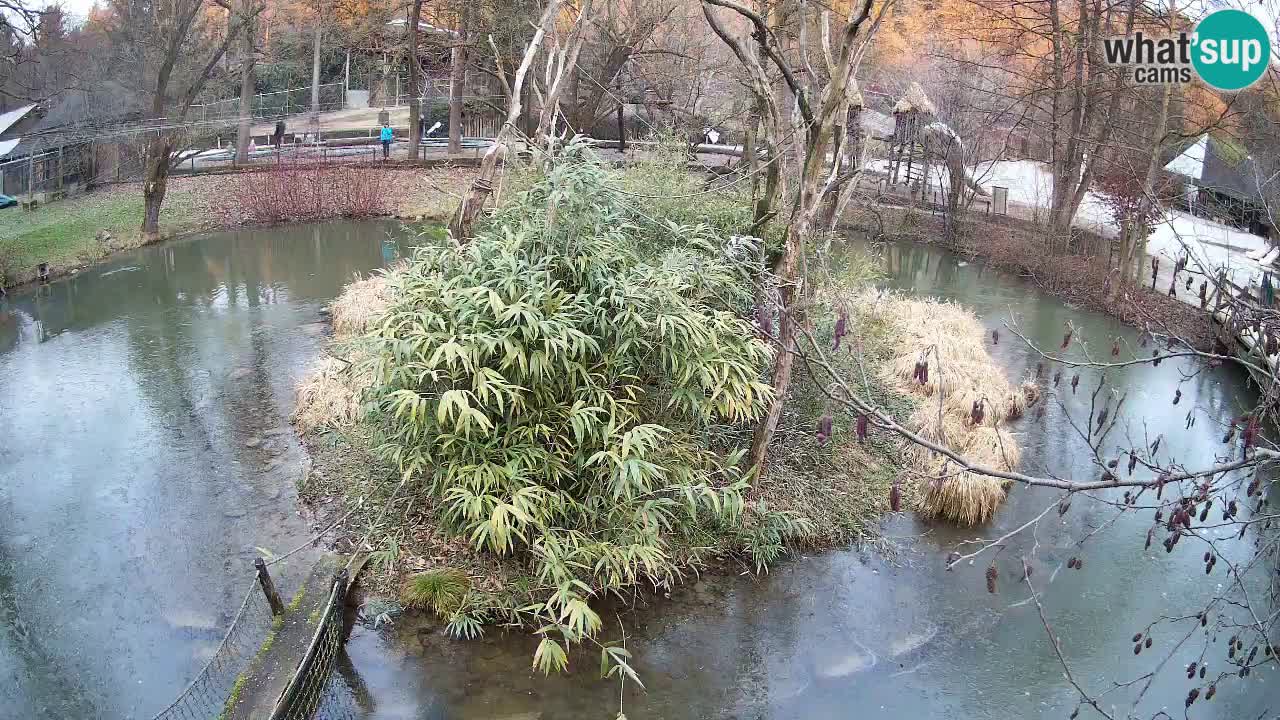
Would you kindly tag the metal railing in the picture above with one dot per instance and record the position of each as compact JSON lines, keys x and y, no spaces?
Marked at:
{"x":315,"y":691}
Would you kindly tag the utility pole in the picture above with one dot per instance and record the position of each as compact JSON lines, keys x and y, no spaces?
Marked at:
{"x":415,"y":109}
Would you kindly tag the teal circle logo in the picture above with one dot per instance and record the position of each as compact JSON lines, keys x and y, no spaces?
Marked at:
{"x":1232,"y":49}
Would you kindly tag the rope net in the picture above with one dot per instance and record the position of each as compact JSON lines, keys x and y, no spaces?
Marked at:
{"x":209,"y":694}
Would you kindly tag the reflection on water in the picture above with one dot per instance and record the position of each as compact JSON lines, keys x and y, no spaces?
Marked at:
{"x":145,"y":454}
{"x":843,"y":634}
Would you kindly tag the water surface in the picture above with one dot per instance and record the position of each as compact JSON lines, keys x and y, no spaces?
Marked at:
{"x":145,"y":454}
{"x":846,"y":634}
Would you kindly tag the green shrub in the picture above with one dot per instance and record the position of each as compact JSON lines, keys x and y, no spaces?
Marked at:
{"x":442,"y":590}
{"x":555,"y":382}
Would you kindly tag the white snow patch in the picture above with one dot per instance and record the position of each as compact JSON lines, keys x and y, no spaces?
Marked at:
{"x":1210,"y":245}
{"x":6,"y":146}
{"x":1191,"y":162}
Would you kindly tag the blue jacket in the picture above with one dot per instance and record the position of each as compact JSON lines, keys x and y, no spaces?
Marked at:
{"x":387,"y":134}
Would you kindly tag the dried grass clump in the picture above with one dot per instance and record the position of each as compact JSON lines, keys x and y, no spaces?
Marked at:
{"x":361,"y":303}
{"x":993,"y":447}
{"x":332,"y":395}
{"x":961,"y":374}
{"x":953,"y":342}
{"x":962,"y":498}
{"x":945,"y":429}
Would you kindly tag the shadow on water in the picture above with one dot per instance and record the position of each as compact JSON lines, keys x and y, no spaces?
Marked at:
{"x":845,"y":634}
{"x":146,"y":454}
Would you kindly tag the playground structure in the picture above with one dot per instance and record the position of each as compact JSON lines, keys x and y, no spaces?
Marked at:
{"x":920,"y":142}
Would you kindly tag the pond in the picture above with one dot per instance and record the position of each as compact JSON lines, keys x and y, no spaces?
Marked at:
{"x":850,"y":634}
{"x":146,"y":454}
{"x":145,"y":457}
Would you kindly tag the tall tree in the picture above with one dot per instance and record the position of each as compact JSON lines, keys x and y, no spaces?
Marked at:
{"x":168,"y":52}
{"x":458,"y":78}
{"x":819,"y":106}
{"x":562,"y":64}
{"x":473,"y":202}
{"x":248,"y":62}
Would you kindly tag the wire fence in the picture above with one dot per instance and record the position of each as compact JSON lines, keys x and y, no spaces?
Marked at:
{"x":274,"y":104}
{"x":207,"y":696}
{"x":51,"y":171}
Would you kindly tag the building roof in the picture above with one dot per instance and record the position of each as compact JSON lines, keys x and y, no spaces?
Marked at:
{"x":9,"y":119}
{"x":1214,"y":165}
{"x":68,"y":119}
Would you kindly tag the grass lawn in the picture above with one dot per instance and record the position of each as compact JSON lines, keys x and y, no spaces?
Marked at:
{"x":64,"y":233}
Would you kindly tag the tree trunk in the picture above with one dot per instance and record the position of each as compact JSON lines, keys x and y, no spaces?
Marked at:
{"x":478,"y":194}
{"x":154,"y":185}
{"x":315,"y":81}
{"x":791,"y":287}
{"x":415,"y":91}
{"x":566,"y":69}
{"x":786,"y":341}
{"x":457,"y":77}
{"x":247,"y":63}
{"x":1136,"y":238}
{"x":622,"y":129}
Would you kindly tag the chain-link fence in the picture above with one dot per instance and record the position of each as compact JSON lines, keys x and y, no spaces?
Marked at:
{"x":210,"y":693}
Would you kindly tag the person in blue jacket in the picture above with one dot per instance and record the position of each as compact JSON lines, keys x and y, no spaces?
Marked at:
{"x":386,"y":137}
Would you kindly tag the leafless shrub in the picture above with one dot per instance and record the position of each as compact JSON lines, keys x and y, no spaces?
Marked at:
{"x":311,"y":192}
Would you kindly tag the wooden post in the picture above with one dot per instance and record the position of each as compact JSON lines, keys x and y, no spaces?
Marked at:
{"x":268,"y":587}
{"x":622,"y":132}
